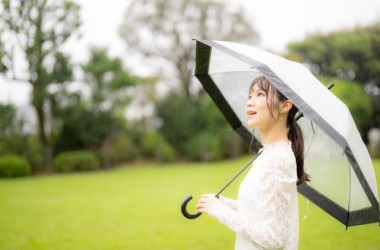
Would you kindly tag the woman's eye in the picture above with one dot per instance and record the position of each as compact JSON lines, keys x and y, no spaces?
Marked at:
{"x":260,"y":94}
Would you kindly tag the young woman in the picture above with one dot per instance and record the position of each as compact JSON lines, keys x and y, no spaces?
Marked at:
{"x":265,"y":216}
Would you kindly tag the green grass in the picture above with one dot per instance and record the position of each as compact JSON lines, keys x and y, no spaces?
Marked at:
{"x":138,"y":207}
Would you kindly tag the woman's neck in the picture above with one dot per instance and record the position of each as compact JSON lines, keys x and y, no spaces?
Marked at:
{"x":275,"y":133}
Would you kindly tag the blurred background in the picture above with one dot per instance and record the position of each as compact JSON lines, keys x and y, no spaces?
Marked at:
{"x":95,"y":85}
{"x":115,"y":78}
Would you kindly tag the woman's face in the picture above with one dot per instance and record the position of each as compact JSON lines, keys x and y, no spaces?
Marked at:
{"x":258,"y":113}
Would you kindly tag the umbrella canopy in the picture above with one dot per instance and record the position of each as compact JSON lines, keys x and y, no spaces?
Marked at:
{"x":343,"y":181}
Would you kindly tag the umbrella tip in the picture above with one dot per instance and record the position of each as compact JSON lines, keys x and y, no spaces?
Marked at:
{"x":331,"y":84}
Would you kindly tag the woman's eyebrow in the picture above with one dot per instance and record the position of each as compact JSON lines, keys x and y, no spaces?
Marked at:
{"x":253,"y":91}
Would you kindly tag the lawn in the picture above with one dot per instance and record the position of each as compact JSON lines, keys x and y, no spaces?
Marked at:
{"x":138,"y":207}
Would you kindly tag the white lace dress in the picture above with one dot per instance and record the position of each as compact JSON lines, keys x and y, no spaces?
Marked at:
{"x":265,"y":216}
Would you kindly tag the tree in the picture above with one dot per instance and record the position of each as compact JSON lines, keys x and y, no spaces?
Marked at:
{"x":163,"y":30}
{"x":90,"y":123}
{"x":11,"y":135}
{"x":9,"y":123}
{"x":352,"y":55}
{"x":36,"y":30}
{"x":197,"y":130}
{"x":108,"y":80}
{"x":357,"y":101}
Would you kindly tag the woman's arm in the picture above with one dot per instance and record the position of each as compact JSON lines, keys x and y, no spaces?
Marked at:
{"x":231,"y":203}
{"x":279,"y":180}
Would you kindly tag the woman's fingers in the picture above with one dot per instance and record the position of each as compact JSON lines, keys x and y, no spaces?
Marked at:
{"x":205,"y":202}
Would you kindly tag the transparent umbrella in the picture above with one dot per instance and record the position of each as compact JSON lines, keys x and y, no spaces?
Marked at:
{"x":343,"y":181}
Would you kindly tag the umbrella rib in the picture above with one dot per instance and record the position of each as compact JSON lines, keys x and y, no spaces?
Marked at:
{"x":349,"y":196}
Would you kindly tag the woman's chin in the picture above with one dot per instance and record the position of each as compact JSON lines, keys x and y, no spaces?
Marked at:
{"x":251,"y":124}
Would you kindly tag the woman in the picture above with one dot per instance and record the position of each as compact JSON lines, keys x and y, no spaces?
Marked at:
{"x":265,"y":216}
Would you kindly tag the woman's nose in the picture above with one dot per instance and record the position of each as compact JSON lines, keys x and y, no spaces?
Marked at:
{"x":250,"y":103}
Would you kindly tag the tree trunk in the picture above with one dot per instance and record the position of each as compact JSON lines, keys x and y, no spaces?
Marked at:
{"x":105,"y":151}
{"x":45,"y":142}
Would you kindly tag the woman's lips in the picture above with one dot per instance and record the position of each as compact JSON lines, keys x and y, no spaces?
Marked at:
{"x":251,"y":113}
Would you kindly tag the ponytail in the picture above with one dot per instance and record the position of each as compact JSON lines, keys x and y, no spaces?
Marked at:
{"x":296,"y":137}
{"x":294,"y":130}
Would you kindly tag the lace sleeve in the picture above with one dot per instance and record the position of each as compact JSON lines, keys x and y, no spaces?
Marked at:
{"x":278,"y":179}
{"x":231,"y":203}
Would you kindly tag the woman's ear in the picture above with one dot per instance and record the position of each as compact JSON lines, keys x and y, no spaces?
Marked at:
{"x":286,"y":106}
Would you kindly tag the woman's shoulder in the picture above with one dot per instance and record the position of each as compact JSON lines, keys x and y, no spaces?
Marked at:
{"x":280,"y":153}
{"x":280,"y":148}
{"x":279,"y":163}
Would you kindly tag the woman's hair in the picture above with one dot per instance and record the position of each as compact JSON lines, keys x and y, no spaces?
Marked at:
{"x":274,"y":97}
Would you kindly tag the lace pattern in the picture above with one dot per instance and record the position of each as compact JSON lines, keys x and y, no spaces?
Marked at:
{"x":265,"y":216}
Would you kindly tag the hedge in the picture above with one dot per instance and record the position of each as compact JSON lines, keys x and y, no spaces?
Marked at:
{"x":71,"y":161}
{"x":14,"y":166}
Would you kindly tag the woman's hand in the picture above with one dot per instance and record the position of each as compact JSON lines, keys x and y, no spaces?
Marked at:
{"x":206,"y":202}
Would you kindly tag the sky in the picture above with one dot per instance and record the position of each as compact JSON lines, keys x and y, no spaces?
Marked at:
{"x":278,"y":22}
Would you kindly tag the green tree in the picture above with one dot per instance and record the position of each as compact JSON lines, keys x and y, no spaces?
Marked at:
{"x":357,"y":101}
{"x":91,"y":123}
{"x":198,"y":130}
{"x":11,"y":134}
{"x":352,"y":55}
{"x":108,"y":80}
{"x":163,"y":30}
{"x":85,"y":128}
{"x":8,"y":121}
{"x":36,"y":30}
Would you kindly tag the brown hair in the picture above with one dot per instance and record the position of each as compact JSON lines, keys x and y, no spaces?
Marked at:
{"x":274,"y":97}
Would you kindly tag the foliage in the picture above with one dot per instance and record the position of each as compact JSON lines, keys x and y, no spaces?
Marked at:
{"x":118,"y":148}
{"x":185,"y":116}
{"x":9,"y":123}
{"x":13,"y":139}
{"x":111,"y":86}
{"x":197,"y":129}
{"x":108,"y":80}
{"x":11,"y":134}
{"x":85,"y":128}
{"x":204,"y":147}
{"x":348,"y":54}
{"x":75,"y":161}
{"x":155,"y":146}
{"x":34,"y":153}
{"x":36,"y":30}
{"x":14,"y":166}
{"x":178,"y":126}
{"x":173,"y":25}
{"x":355,"y":98}
{"x":138,"y":207}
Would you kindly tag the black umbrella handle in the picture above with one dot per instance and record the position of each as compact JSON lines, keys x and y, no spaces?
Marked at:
{"x":184,"y":209}
{"x":189,"y":198}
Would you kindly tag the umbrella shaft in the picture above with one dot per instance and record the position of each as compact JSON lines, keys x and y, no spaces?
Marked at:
{"x":238,"y":174}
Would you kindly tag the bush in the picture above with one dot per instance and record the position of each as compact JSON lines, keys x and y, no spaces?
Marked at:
{"x":204,"y":147}
{"x":75,"y":161}
{"x":155,"y":146}
{"x":117,"y":149}
{"x":14,"y":166}
{"x":165,"y":152}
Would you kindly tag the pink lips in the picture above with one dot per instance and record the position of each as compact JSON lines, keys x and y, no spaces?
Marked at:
{"x":251,"y":113}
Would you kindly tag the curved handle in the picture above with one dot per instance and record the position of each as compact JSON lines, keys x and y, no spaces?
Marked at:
{"x":184,"y":211}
